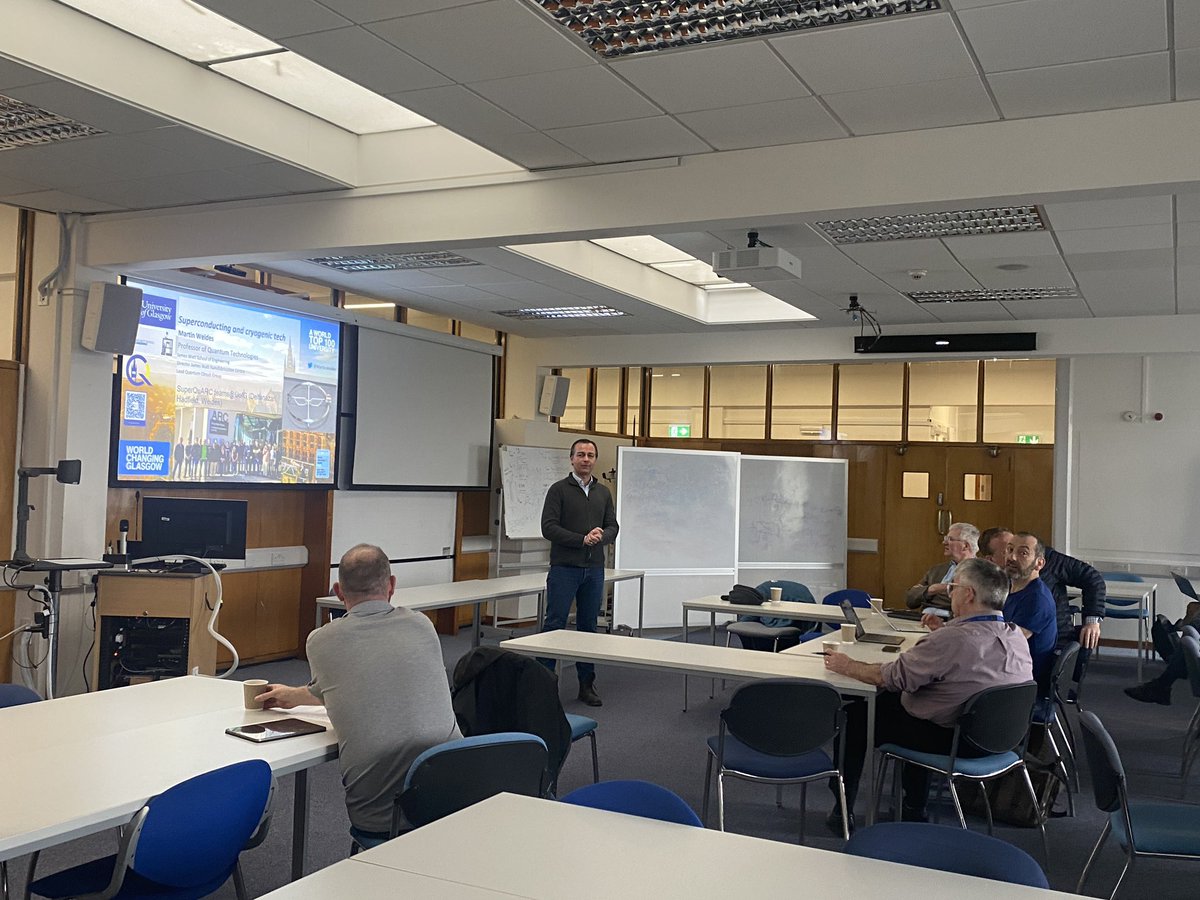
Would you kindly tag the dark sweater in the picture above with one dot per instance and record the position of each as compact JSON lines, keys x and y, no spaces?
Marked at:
{"x":569,"y":514}
{"x":1062,"y":571}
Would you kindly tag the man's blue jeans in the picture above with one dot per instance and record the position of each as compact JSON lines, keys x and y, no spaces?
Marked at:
{"x":585,"y":586}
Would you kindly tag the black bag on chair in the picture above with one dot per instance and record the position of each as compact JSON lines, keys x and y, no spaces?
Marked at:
{"x":743,"y":595}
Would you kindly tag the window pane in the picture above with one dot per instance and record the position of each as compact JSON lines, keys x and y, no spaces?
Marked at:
{"x":869,"y":401}
{"x":1018,"y":401}
{"x":943,"y":400}
{"x":576,"y":413}
{"x":802,"y":403}
{"x":737,"y":401}
{"x":428,"y":321}
{"x":914,"y":485}
{"x":608,"y":400}
{"x":677,"y":402}
{"x":317,"y":293}
{"x":633,"y":400}
{"x":475,"y":332}
{"x":977,"y":487}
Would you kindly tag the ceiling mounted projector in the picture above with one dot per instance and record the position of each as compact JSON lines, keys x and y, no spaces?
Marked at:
{"x":755,"y":264}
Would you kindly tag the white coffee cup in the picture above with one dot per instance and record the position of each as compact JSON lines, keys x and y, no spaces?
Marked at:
{"x":847,"y":633}
{"x":831,"y":646}
{"x":877,"y":604}
{"x":776,"y":595}
{"x":250,"y":690}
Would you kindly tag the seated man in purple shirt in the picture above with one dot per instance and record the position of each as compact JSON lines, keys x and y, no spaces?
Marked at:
{"x":922,"y":692}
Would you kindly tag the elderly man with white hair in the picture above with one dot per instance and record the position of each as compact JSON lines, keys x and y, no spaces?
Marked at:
{"x":961,"y":542}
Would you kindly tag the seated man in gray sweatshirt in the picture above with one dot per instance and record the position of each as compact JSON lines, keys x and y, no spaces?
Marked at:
{"x":378,"y":670}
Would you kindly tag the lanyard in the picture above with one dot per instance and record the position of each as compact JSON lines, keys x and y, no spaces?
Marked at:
{"x":989,"y":618}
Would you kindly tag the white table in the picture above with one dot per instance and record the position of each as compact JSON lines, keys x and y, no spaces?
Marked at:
{"x":483,"y":590}
{"x":811,"y":612}
{"x":699,"y":659}
{"x":363,"y":881}
{"x":590,"y":854}
{"x":82,"y":764}
{"x":1146,"y":593}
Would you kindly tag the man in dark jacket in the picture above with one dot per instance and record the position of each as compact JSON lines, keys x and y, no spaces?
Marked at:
{"x":578,"y":519}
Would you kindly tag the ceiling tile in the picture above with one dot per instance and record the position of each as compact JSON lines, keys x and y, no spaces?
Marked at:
{"x":1112,"y":240}
{"x":9,"y":185}
{"x":374,"y":10}
{"x":1002,"y":246}
{"x":981,"y":311}
{"x":1187,"y":24}
{"x":288,"y":178}
{"x":907,"y":254}
{"x":219,"y":185}
{"x":587,"y":96}
{"x":958,"y":101}
{"x":1078,"y":87}
{"x":16,"y":75}
{"x":1187,"y":74}
{"x":1125,"y":259}
{"x":1109,"y":213}
{"x":710,"y":77}
{"x":202,"y":150}
{"x":59,"y":201}
{"x":495,"y":39}
{"x":461,"y":111}
{"x":52,"y":164}
{"x":279,"y":18}
{"x":1032,"y":310}
{"x":960,"y":5}
{"x":124,"y":157}
{"x":1039,"y":33}
{"x":764,"y":124}
{"x":639,"y":139}
{"x":367,"y":59}
{"x":87,"y":106}
{"x":1039,"y":271}
{"x":1129,"y":292}
{"x":533,"y":150}
{"x":144,"y":193}
{"x":877,"y":53}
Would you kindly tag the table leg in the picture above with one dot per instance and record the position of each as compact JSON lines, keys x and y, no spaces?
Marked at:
{"x":869,"y":762}
{"x":712,"y":639}
{"x":541,"y":615}
{"x":477,"y":623}
{"x":641,"y":602}
{"x":685,"y":640}
{"x":299,"y":824}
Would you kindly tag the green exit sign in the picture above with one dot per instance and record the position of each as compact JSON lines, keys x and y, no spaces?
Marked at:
{"x":679,"y":430}
{"x":1029,"y":438}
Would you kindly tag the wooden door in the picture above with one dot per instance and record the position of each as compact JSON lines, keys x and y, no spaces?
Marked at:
{"x":914,"y":517}
{"x":979,"y":486}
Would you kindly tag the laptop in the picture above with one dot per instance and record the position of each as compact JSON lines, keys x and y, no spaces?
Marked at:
{"x":861,"y":634}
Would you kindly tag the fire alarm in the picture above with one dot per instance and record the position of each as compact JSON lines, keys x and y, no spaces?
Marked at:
{"x":1129,"y":416}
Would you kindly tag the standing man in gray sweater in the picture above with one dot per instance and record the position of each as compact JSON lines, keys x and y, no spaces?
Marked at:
{"x":578,"y":519}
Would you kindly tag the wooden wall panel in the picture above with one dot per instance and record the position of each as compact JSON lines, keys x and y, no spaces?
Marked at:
{"x":1033,"y":491}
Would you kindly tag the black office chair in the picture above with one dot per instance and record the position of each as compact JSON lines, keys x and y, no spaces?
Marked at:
{"x":1190,"y":648}
{"x":773,"y":732}
{"x":1050,"y":712}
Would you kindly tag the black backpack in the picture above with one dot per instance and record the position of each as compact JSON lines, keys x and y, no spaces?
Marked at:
{"x":744,"y":595}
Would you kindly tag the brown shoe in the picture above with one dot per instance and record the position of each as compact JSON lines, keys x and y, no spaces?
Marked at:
{"x":588,"y":695}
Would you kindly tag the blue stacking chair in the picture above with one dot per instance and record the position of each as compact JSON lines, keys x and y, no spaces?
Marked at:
{"x":947,"y":849}
{"x":1189,"y":646}
{"x":1162,"y":830}
{"x":1118,"y":608}
{"x":858,"y":599}
{"x":774,"y":732}
{"x":995,"y":721}
{"x":635,"y":798}
{"x":13,"y":695}
{"x":1051,"y":713}
{"x":458,"y":774}
{"x":585,"y":727}
{"x":767,"y":627}
{"x":182,"y":845}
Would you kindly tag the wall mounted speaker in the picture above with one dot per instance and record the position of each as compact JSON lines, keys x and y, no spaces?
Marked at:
{"x":111,"y":320}
{"x":554,"y":395}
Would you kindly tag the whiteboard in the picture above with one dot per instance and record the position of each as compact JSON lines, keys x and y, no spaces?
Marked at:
{"x":677,"y":509}
{"x":526,"y":473}
{"x":407,"y":525}
{"x":792,"y":510}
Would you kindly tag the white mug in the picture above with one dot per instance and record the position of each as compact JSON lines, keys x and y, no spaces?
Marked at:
{"x":776,"y":595}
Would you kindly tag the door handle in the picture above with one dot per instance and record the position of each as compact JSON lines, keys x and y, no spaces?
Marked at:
{"x":941,"y":519}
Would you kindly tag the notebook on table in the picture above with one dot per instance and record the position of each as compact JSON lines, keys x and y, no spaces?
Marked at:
{"x":275,"y":730}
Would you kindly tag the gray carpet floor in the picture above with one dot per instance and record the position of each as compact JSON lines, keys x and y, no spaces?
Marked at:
{"x":645,"y":734}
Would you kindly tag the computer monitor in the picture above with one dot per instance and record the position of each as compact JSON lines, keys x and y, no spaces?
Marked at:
{"x":187,"y":526}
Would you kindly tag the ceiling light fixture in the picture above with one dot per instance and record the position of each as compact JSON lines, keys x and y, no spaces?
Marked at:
{"x":389,"y":262}
{"x":998,"y":220}
{"x":562,"y":312}
{"x":1006,"y":296}
{"x":620,"y":27}
{"x":24,"y":125}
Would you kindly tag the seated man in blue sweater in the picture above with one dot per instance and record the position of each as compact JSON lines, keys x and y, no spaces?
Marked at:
{"x":1030,"y":605}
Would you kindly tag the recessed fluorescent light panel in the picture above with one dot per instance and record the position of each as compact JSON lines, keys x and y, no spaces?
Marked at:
{"x":382,"y":304}
{"x":389,"y":262}
{"x":23,"y":125}
{"x":1009,"y":296}
{"x":1001,"y":220}
{"x":620,"y":27}
{"x":562,"y":312}
{"x":200,"y":35}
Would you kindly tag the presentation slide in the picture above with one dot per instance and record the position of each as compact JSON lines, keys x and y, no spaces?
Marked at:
{"x":219,"y":392}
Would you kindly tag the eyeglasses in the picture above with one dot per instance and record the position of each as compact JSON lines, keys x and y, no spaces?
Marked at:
{"x":955,"y":584}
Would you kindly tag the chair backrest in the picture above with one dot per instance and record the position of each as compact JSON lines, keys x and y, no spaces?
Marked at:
{"x":1121,"y":576}
{"x":194,"y":831}
{"x":783,"y":716}
{"x":635,"y":798}
{"x":1104,"y":763}
{"x":1064,"y":667}
{"x":457,"y":774}
{"x":1185,"y":586}
{"x":793,"y":591}
{"x":996,"y":719}
{"x":947,"y":849}
{"x":1190,"y":648}
{"x":16,"y":695}
{"x":860,"y":599}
